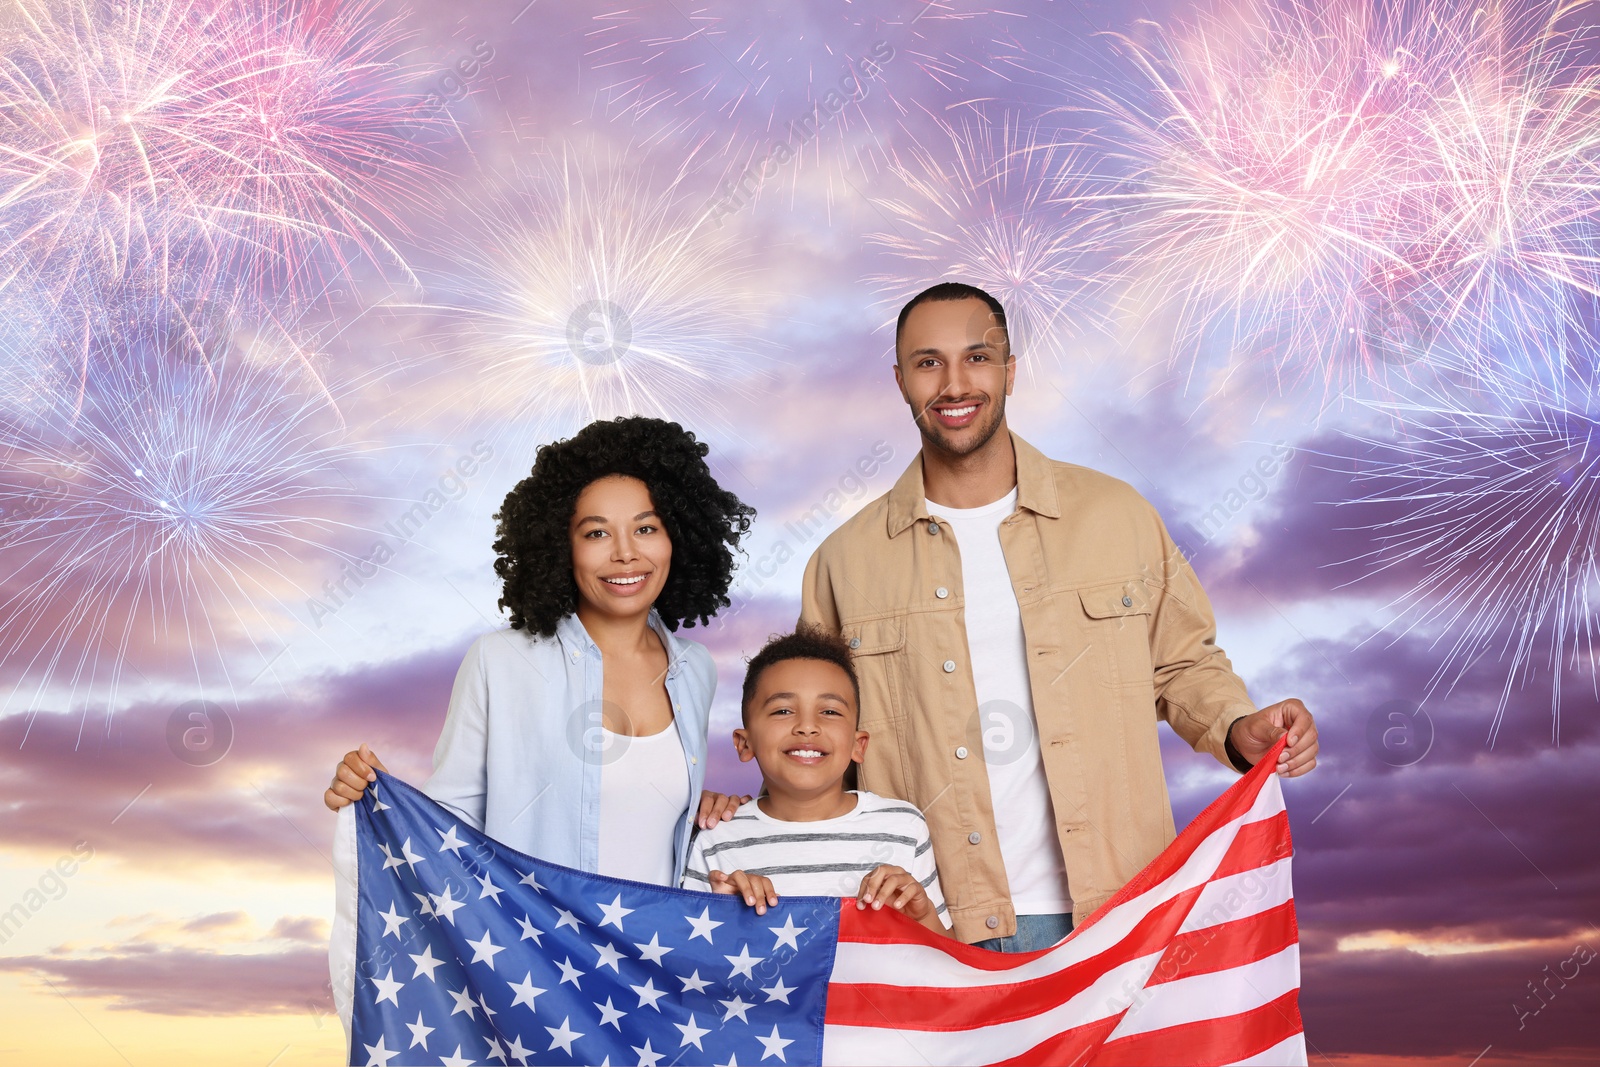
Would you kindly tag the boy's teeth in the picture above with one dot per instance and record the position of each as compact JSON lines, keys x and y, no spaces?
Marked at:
{"x":804,"y":753}
{"x":624,"y":581}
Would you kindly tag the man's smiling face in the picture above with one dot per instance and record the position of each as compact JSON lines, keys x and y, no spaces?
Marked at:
{"x":800,"y":727}
{"x":954,"y":368}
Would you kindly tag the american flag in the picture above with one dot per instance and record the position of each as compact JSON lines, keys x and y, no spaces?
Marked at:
{"x":450,"y":948}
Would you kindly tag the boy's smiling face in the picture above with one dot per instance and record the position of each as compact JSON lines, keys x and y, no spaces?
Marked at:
{"x":800,"y":728}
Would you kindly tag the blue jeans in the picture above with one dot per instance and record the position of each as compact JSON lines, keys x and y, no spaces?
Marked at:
{"x":1033,"y":932}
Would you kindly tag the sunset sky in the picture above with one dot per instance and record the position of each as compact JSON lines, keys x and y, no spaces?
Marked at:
{"x":1437,"y":885}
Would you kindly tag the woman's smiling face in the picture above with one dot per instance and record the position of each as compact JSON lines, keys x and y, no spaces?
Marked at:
{"x":621,"y":554}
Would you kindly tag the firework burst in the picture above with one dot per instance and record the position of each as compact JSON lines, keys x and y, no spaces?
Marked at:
{"x":987,"y":210}
{"x":1500,"y":489}
{"x":595,"y":292}
{"x":822,"y":79}
{"x":162,"y":499}
{"x":257,"y":140}
{"x":1329,"y":190}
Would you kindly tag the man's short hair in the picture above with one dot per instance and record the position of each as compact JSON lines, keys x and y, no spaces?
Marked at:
{"x":807,"y":642}
{"x":948,"y":291}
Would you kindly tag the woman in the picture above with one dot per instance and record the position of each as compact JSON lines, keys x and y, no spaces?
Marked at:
{"x":579,"y":735}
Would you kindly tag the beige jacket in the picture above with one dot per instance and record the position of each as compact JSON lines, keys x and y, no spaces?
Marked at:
{"x":1119,"y":634}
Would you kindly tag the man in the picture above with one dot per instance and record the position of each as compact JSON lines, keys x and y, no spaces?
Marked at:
{"x":995,"y":595}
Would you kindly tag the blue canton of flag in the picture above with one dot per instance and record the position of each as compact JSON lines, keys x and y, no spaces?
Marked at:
{"x":467,"y":952}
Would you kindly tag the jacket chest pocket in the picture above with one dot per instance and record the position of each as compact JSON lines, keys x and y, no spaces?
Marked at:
{"x":1117,"y":627}
{"x":878,"y":648}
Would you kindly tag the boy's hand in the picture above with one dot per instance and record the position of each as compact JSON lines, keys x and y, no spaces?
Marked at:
{"x":351,"y":776}
{"x":717,"y":807}
{"x":898,"y":888}
{"x":755,"y":888}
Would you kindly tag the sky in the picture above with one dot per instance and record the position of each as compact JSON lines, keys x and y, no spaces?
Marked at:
{"x":1358,"y":388}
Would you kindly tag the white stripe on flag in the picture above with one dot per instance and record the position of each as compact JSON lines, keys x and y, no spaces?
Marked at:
{"x":1109,"y":994}
{"x":1241,"y":895}
{"x":875,"y":964}
{"x":1209,"y":996}
{"x":342,"y":939}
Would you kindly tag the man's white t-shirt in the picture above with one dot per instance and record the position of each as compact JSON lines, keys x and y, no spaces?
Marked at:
{"x":1023,"y":815}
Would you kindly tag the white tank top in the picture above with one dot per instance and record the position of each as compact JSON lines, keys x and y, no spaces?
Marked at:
{"x":644,"y":795}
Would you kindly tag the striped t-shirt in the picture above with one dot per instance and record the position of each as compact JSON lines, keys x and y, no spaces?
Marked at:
{"x":826,"y":858}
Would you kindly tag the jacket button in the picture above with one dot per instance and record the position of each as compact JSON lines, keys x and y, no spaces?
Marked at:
{"x":694,"y":759}
{"x":992,"y":922}
{"x":855,"y":642}
{"x":1127,"y":601}
{"x":974,"y":837}
{"x":933,"y":527}
{"x":961,"y":752}
{"x":949,"y":666}
{"x":941,"y":592}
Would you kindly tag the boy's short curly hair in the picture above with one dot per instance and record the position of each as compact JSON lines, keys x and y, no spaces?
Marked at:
{"x":807,"y":642}
{"x":704,"y":521}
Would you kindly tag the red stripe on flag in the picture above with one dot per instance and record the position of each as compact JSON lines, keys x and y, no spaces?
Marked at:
{"x":914,"y":1007}
{"x":1256,"y":845}
{"x":1209,"y":1041}
{"x":1228,"y":945}
{"x":863,"y":926}
{"x":1237,"y":801}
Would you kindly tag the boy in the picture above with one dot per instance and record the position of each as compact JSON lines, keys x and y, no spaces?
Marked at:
{"x":806,"y":834}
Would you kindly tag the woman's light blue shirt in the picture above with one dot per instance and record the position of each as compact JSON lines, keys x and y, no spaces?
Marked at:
{"x":521,"y":750}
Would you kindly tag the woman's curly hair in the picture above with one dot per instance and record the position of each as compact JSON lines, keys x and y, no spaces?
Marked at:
{"x":703,"y":520}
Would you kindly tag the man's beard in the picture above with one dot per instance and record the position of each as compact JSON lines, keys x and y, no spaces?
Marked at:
{"x":932,"y":431}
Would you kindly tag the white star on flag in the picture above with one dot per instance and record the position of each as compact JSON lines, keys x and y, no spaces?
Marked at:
{"x":378,"y":1055}
{"x":490,"y":890}
{"x":703,"y":925}
{"x":446,"y":906}
{"x":743,"y":962}
{"x":526,"y":991}
{"x":419,"y":1033}
{"x":387,"y":988}
{"x":451,"y":842}
{"x":464,"y":1001}
{"x":774,"y":1044}
{"x":392,"y":920}
{"x":517,"y":1050}
{"x":614,"y":912}
{"x":569,"y":973}
{"x":737,"y":1006}
{"x":426,"y":963}
{"x":610,"y":1015}
{"x":648,"y":993}
{"x":564,"y":1036}
{"x":653,"y":951}
{"x":692,"y":1032}
{"x":609,"y":956}
{"x":788,"y":934}
{"x":483,"y":950}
